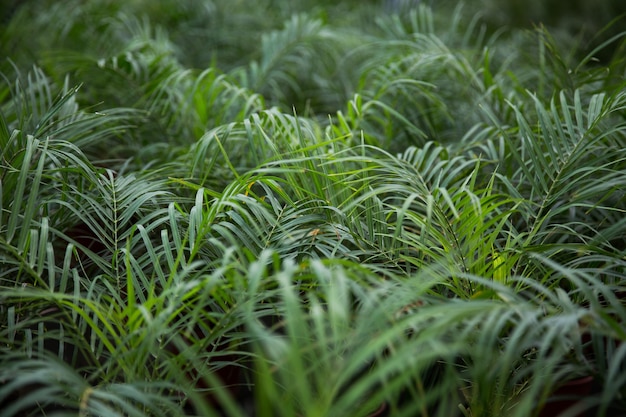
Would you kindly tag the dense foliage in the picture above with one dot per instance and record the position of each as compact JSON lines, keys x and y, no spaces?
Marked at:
{"x":310,"y":208}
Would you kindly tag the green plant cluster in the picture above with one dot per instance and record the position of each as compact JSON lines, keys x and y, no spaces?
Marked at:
{"x":313,"y":208}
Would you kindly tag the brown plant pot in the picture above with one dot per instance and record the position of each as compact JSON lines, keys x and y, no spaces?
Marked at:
{"x":379,"y":412}
{"x":566,"y":396}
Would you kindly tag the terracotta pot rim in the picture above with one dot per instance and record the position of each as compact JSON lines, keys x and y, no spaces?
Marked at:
{"x":577,"y":381}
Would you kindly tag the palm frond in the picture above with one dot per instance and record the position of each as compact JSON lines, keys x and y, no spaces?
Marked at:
{"x":573,"y":148}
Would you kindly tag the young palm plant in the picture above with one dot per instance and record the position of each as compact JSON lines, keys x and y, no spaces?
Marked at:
{"x":213,"y":245}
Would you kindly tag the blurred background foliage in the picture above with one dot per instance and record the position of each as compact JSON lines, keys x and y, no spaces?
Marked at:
{"x":312,"y":64}
{"x":205,"y":30}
